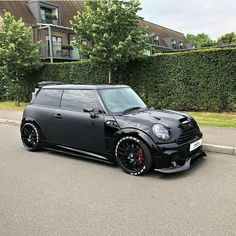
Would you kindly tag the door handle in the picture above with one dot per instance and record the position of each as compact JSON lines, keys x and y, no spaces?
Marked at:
{"x":58,"y":116}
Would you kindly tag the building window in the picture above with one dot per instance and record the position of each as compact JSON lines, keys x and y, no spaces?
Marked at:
{"x":43,"y":14}
{"x":48,"y":15}
{"x":174,"y":44}
{"x":181,"y":45}
{"x":146,"y":33}
{"x":56,"y":46}
{"x":156,"y":39}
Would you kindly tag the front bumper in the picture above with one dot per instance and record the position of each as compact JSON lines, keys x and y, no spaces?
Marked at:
{"x":172,"y":158}
{"x":185,"y":166}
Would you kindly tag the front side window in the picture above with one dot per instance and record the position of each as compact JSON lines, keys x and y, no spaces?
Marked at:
{"x":120,"y":99}
{"x":79,"y":100}
{"x":48,"y":97}
{"x":181,"y":45}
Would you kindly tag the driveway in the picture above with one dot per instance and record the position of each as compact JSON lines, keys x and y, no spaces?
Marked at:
{"x":46,"y":193}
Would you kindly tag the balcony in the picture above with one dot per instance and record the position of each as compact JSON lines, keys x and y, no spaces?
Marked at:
{"x":60,"y":54}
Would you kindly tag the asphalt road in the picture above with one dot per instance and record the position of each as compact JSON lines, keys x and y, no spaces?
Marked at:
{"x":53,"y":194}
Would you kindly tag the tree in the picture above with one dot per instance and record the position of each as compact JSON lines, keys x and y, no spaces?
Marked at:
{"x":111,"y":29}
{"x":18,"y":54}
{"x":227,"y":39}
{"x":200,"y":40}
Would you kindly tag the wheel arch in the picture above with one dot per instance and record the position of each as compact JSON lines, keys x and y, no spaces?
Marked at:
{"x":142,"y":139}
{"x":30,"y":120}
{"x":137,"y":134}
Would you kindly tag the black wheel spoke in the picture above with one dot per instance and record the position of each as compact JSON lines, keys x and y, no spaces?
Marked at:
{"x":121,"y":153}
{"x":129,"y":153}
{"x":29,"y":136}
{"x":26,"y":131}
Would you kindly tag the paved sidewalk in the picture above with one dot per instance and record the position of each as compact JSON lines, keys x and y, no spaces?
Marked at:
{"x":212,"y":135}
{"x":219,"y":136}
{"x":11,"y":115}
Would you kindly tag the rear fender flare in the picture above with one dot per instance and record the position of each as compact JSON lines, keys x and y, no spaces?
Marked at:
{"x":28,"y":119}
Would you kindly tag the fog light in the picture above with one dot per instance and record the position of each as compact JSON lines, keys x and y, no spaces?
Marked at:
{"x":173,"y":164}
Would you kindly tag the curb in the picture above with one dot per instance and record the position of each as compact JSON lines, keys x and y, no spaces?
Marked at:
{"x":219,"y":149}
{"x":206,"y":147}
{"x":10,"y":122}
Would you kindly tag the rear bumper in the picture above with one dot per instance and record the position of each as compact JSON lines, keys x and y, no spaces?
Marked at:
{"x":171,"y":158}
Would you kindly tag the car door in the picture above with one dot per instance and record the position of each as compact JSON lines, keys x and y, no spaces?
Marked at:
{"x":43,"y":109}
{"x":77,"y":128}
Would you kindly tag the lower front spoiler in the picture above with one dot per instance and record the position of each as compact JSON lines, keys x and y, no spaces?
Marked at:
{"x":183,"y":167}
{"x":176,"y":169}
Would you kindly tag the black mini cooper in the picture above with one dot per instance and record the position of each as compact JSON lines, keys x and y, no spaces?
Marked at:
{"x":112,"y":124}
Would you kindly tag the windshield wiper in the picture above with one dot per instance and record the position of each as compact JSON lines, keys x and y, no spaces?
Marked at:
{"x":130,"y":109}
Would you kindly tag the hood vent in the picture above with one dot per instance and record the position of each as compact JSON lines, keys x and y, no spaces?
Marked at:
{"x":186,"y":123}
{"x":184,"y":120}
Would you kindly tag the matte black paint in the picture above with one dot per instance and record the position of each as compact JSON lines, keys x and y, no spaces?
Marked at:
{"x":98,"y":132}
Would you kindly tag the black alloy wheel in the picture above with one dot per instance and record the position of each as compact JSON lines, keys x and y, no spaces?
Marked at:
{"x":133,"y":156}
{"x":31,"y":138}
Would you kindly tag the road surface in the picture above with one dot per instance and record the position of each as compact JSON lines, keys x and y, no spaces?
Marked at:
{"x":46,"y":193}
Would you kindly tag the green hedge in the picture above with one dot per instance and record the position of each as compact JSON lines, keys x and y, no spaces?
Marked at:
{"x":73,"y":72}
{"x":194,"y":80}
{"x":2,"y":84}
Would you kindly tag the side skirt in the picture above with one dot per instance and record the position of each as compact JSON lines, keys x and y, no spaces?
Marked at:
{"x":78,"y":153}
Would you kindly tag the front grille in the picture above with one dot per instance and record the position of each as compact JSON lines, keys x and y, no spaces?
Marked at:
{"x":188,"y":135}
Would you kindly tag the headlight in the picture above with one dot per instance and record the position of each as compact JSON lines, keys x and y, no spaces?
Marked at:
{"x":161,"y":132}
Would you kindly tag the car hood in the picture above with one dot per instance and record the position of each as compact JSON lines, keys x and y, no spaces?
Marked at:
{"x":144,"y":120}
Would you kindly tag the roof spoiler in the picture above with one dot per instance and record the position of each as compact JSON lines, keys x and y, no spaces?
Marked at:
{"x":44,"y":83}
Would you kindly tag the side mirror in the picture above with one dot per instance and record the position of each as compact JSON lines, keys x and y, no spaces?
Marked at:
{"x":88,"y":110}
{"x":92,"y":112}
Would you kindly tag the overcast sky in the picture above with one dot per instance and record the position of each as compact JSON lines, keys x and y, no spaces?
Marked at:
{"x":213,"y":17}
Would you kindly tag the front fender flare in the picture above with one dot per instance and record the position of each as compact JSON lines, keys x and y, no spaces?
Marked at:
{"x":136,"y":133}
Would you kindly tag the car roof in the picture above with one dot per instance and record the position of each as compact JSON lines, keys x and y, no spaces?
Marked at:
{"x":84,"y":86}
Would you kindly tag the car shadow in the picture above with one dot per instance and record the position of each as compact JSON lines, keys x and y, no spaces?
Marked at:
{"x":78,"y":157}
{"x":195,"y":165}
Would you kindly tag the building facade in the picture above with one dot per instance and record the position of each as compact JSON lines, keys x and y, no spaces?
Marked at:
{"x":50,"y":21}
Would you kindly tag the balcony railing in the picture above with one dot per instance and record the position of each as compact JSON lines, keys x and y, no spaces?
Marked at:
{"x":50,"y":21}
{"x":59,"y":53}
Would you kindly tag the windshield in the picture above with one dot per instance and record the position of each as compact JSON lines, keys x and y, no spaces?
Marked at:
{"x":119,"y":100}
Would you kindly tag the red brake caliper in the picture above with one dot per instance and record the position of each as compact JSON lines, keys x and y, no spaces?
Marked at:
{"x":140,"y":155}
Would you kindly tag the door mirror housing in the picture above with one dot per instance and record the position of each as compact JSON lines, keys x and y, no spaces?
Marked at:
{"x":89,"y":110}
{"x":92,"y":112}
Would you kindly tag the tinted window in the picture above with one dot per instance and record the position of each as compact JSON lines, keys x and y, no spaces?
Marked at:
{"x":49,"y":97}
{"x":79,"y":99}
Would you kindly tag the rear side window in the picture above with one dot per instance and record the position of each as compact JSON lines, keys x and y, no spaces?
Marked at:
{"x":48,"y":97}
{"x":79,"y":99}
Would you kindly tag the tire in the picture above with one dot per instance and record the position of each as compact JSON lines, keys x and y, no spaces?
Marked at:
{"x":133,"y":156}
{"x":31,"y":137}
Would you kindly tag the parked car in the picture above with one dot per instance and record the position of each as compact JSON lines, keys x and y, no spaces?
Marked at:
{"x":110,"y":123}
